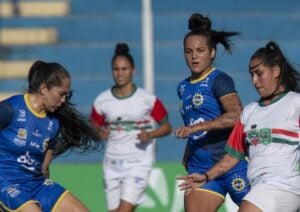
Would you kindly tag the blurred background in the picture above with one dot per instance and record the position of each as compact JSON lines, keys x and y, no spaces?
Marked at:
{"x":81,"y":35}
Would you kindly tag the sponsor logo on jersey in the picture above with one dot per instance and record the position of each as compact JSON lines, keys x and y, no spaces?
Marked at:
{"x":22,"y":133}
{"x":34,"y":144}
{"x":181,"y":89}
{"x":26,"y":161}
{"x":13,"y":191}
{"x":36,"y":133}
{"x":188,"y":107}
{"x":19,"y":142}
{"x":50,"y":125}
{"x":46,"y":143}
{"x":204,"y":83}
{"x":21,"y":116}
{"x":48,"y":182}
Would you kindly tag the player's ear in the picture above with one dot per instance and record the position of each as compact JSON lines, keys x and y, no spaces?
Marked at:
{"x":212,"y":53}
{"x":43,"y":88}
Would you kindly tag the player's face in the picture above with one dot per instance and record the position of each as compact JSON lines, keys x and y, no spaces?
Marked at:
{"x":122,"y":71}
{"x":198,"y":55}
{"x":57,"y":95}
{"x":264,"y":78}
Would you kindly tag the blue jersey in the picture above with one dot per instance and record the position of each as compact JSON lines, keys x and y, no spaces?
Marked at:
{"x":24,"y":140}
{"x":199,"y":103}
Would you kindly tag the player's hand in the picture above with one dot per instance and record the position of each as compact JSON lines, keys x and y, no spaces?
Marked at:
{"x":144,"y":136}
{"x":191,"y":182}
{"x":183,"y":132}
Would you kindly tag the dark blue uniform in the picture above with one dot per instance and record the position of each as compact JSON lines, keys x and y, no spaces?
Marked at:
{"x":25,"y":136}
{"x":200,"y":102}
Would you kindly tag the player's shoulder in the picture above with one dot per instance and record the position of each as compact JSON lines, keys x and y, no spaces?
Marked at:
{"x":293,"y":95}
{"x":102,"y":96}
{"x":143,"y":92}
{"x":221,"y":75}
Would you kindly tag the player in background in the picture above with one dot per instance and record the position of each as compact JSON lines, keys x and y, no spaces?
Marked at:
{"x":268,"y":133}
{"x":209,"y":105}
{"x":126,"y":116}
{"x":34,"y":127}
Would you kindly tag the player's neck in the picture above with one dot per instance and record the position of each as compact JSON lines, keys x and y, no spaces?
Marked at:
{"x":124,"y":91}
{"x":35,"y":103}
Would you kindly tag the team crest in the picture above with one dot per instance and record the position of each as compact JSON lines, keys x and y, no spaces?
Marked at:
{"x":253,"y":137}
{"x":198,"y":99}
{"x":238,"y":184}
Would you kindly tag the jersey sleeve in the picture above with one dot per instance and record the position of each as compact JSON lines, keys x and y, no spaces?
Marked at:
{"x":223,"y":85}
{"x":236,"y":146}
{"x":7,"y":114}
{"x":53,"y":142}
{"x":97,"y":119}
{"x":159,"y":112}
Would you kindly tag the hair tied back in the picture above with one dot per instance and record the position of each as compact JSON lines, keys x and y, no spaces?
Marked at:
{"x":121,"y":48}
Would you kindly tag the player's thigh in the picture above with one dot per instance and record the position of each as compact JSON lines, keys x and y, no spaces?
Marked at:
{"x":70,"y":203}
{"x":135,"y":182}
{"x":30,"y":207}
{"x":112,"y":188}
{"x":201,"y":200}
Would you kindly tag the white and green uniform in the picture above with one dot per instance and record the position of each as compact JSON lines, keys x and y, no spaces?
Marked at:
{"x":127,"y":161}
{"x":270,"y":136}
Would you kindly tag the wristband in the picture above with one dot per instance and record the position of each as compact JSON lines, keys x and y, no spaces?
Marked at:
{"x":207,"y":178}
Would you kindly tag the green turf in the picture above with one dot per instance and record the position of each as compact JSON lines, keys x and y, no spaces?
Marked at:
{"x":85,"y":181}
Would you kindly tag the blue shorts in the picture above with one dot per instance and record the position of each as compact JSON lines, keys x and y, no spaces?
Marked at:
{"x":234,"y":182}
{"x":44,"y":192}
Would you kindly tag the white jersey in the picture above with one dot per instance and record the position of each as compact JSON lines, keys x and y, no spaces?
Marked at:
{"x":270,"y":136}
{"x":126,"y":117}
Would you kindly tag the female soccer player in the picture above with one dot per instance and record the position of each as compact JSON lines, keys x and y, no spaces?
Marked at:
{"x":126,"y":116}
{"x":34,"y":127}
{"x":209,"y":107}
{"x":268,"y":133}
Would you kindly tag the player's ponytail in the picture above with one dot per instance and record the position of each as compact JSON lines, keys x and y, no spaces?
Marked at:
{"x":201,"y":25}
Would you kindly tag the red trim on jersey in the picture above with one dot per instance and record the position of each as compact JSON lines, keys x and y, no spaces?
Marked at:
{"x":236,"y":139}
{"x":285,"y":132}
{"x":158,"y":112}
{"x":97,"y":119}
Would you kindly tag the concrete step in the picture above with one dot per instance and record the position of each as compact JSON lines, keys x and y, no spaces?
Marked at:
{"x":28,"y":36}
{"x":15,"y":69}
{"x":26,"y":8}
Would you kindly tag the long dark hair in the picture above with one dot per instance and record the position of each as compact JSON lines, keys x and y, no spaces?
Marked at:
{"x":75,"y":132}
{"x":201,"y":25}
{"x":271,"y":56}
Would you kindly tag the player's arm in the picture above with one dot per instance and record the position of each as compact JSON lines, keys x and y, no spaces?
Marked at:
{"x":46,"y":163}
{"x":236,"y":149}
{"x":160,"y":115}
{"x":196,"y":180}
{"x":7,"y":114}
{"x":98,"y":121}
{"x":224,"y":90}
{"x":232,"y":109}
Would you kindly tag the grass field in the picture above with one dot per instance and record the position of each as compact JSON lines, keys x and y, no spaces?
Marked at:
{"x":85,"y":181}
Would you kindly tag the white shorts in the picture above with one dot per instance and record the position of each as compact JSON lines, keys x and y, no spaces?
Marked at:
{"x":273,"y":199}
{"x":125,"y":179}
